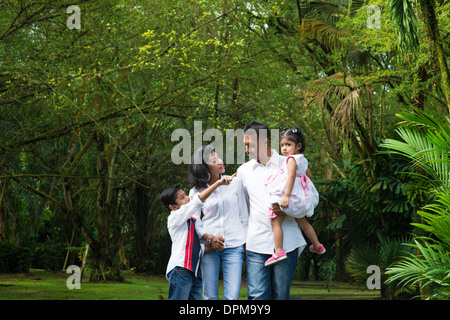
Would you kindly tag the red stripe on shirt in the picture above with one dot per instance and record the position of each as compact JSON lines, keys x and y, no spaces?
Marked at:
{"x":189,"y":246}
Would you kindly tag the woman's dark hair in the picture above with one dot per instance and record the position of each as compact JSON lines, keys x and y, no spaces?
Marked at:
{"x":168,"y":195}
{"x":295,"y":135}
{"x":198,"y":169}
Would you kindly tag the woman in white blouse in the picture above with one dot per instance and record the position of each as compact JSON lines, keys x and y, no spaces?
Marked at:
{"x":225,"y":213}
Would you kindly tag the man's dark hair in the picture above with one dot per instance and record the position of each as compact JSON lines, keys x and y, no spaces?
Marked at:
{"x":168,"y":196}
{"x":258,"y":127}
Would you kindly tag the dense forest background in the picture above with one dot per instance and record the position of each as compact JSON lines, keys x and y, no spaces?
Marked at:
{"x":87,"y":115}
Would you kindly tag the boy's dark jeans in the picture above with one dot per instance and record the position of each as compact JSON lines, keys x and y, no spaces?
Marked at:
{"x":184,"y":285}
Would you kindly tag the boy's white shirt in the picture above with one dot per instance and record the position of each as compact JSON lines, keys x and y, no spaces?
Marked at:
{"x":176,"y":224}
{"x":259,"y":233}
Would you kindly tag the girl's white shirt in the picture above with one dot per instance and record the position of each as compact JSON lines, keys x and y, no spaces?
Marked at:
{"x":225,"y":213}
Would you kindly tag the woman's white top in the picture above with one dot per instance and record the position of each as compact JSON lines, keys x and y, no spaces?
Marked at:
{"x":225,"y":213}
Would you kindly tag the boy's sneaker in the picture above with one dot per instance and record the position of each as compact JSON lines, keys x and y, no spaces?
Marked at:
{"x":319,"y":250}
{"x":276,"y":257}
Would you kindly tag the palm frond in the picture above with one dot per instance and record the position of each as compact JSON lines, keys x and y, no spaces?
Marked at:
{"x":436,"y":217}
{"x":326,"y":11}
{"x":433,"y":268}
{"x":404,"y":17}
{"x":426,"y":143}
{"x":345,"y":92}
{"x":325,"y":33}
{"x":329,"y":10}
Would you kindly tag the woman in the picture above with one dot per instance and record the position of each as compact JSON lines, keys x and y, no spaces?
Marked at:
{"x":225,"y":213}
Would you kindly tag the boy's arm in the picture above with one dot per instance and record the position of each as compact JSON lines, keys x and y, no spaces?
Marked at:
{"x":178,"y":217}
{"x":194,"y":193}
{"x":216,"y":242}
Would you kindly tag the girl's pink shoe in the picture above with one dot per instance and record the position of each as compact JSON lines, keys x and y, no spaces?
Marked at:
{"x":276,"y":257}
{"x":319,"y":250}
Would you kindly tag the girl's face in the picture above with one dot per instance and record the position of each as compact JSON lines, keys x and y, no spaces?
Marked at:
{"x":215,"y":165}
{"x":289,"y":148}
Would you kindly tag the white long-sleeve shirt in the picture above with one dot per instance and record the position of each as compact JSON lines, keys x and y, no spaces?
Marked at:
{"x":259,"y":233}
{"x":225,"y":213}
{"x":186,"y":231}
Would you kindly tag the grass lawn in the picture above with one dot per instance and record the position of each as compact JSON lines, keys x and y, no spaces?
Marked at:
{"x":42,"y":285}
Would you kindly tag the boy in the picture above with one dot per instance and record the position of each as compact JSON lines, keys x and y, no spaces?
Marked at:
{"x":183,"y":269}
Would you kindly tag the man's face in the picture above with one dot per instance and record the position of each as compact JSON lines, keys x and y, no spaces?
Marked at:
{"x":253,"y":148}
{"x":250,"y":147}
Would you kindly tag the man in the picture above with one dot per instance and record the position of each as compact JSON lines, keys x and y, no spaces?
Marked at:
{"x":272,"y":282}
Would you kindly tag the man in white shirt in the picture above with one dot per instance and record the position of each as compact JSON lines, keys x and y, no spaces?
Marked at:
{"x":272,"y":282}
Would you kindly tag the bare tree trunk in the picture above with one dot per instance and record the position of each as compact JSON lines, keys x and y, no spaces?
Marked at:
{"x":105,"y":268}
{"x":431,"y":23}
{"x":4,"y":228}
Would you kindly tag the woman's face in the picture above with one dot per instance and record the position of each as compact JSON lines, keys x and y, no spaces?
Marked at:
{"x":215,"y":164}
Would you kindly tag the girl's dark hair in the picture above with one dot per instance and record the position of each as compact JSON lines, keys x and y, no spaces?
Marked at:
{"x":198,"y":169}
{"x":295,"y":135}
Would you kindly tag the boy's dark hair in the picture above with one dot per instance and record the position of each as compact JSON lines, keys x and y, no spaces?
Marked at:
{"x":259,"y":127}
{"x":168,"y":195}
{"x":295,"y":135}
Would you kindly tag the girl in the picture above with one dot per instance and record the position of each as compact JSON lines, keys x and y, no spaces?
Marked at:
{"x":292,"y":188}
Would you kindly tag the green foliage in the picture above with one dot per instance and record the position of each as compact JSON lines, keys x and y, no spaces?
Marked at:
{"x":87,"y":115}
{"x":430,"y":270}
{"x":369,"y":206}
{"x":327,"y":272}
{"x":427,"y":145}
{"x":383,"y":254}
{"x":404,"y":16}
{"x":13,"y":260}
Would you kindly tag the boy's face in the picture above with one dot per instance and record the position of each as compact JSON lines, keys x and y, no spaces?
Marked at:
{"x":181,"y":198}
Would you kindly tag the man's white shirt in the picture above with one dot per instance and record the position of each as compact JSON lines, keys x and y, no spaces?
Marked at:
{"x":259,"y":234}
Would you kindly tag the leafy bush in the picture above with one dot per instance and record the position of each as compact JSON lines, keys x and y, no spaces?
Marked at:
{"x":382,"y":254}
{"x":15,"y":261}
{"x":426,"y":141}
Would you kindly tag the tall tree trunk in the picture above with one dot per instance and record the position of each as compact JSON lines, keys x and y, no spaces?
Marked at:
{"x":431,"y":23}
{"x":338,"y":238}
{"x":4,"y":227}
{"x":105,"y":266}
